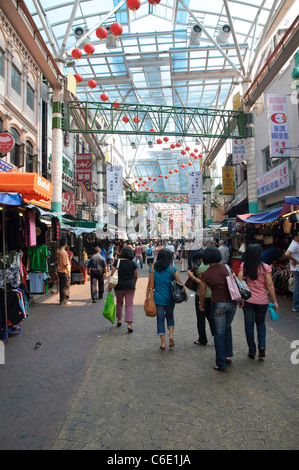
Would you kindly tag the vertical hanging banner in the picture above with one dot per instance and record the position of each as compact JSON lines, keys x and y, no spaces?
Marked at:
{"x":195,"y":187}
{"x":227,"y":180}
{"x":278,"y":126}
{"x":114,"y":185}
{"x":84,"y":175}
{"x":238,"y":150}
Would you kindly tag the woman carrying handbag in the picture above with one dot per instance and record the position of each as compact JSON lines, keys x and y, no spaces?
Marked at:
{"x":163,"y":278}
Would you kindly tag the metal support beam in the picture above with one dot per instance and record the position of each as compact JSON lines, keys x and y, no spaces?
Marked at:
{"x":183,"y":121}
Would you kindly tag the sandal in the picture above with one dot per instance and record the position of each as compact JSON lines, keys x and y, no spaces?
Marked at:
{"x":262,"y":353}
{"x":162,"y":348}
{"x":219,"y":369}
{"x":199,"y":343}
{"x":171,"y":342}
{"x":229,"y":360}
{"x":119,"y":323}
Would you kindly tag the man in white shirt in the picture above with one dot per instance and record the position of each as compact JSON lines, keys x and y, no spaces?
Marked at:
{"x":292,"y":254}
{"x":224,"y":250}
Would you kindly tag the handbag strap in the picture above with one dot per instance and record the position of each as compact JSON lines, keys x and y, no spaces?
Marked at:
{"x":229,"y":270}
{"x":151,"y":278}
{"x":118,"y":261}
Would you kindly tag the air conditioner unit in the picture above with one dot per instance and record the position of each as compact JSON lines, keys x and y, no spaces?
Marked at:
{"x":111,"y":41}
{"x":79,"y":31}
{"x":224,"y":34}
{"x":195,"y":35}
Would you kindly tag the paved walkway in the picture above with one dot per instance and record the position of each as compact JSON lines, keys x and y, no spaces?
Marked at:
{"x":91,"y":385}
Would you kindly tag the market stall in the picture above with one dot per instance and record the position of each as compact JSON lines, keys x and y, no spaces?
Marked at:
{"x":19,"y":230}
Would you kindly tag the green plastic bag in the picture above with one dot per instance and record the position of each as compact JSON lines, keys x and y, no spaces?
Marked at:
{"x":109,"y":308}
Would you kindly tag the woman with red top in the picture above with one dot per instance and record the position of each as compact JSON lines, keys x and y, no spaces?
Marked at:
{"x":258,"y":276}
{"x":223,"y":308}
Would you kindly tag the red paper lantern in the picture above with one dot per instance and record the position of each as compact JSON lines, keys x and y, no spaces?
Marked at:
{"x":156,"y":195}
{"x":154,"y":2}
{"x":200,"y":155}
{"x":170,"y":172}
{"x":153,"y":130}
{"x":172,"y":146}
{"x":78,"y":77}
{"x":134,"y":4}
{"x":195,"y":150}
{"x":76,"y":53}
{"x":166,"y":177}
{"x":101,"y":33}
{"x":149,"y":178}
{"x":89,"y":49}
{"x":136,"y":119}
{"x":116,"y":29}
{"x":159,"y":141}
{"x":183,"y":152}
{"x":104,"y":97}
{"x":152,"y":189}
{"x":144,"y":181}
{"x":177,"y":144}
{"x":154,"y":179}
{"x":176,"y":170}
{"x":116,"y":104}
{"x":139,"y":185}
{"x":140,"y":178}
{"x":189,"y":163}
{"x":165,"y":139}
{"x":126,"y":120}
{"x":187,"y":148}
{"x":147,"y":189}
{"x":160,"y":176}
{"x":92,"y":83}
{"x":195,"y":157}
{"x":136,"y":181}
{"x":183,"y":165}
{"x":192,"y":154}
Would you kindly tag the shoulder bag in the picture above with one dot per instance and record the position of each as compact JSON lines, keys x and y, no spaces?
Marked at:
{"x":149,"y":304}
{"x":113,"y":280}
{"x":232,"y":286}
{"x":190,"y":283}
{"x":178,"y":293}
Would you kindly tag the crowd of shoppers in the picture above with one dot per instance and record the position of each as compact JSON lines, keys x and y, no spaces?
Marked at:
{"x":213,"y":303}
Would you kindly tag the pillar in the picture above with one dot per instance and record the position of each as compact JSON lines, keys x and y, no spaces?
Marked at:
{"x":250,"y":158}
{"x":100,"y":190}
{"x":207,"y":181}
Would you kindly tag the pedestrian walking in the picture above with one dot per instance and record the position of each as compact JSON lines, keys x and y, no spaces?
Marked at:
{"x":292,"y":254}
{"x":223,"y":308}
{"x":138,"y":255}
{"x":110,"y":255}
{"x":149,"y":253}
{"x":224,"y":250}
{"x":202,"y":315}
{"x":258,"y":276}
{"x":183,"y":258}
{"x":98,"y":270}
{"x":125,"y":289}
{"x":164,"y":274}
{"x":64,"y":273}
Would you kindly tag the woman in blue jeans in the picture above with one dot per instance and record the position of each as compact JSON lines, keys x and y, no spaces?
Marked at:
{"x":258,"y":276}
{"x":223,"y":308}
{"x":164,"y":274}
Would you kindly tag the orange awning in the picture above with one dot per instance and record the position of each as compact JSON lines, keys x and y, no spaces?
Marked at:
{"x":33,"y":188}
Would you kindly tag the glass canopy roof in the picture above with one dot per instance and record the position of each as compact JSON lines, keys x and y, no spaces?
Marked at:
{"x":190,"y":53}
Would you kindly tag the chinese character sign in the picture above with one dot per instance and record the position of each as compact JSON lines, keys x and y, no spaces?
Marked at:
{"x":238,"y":149}
{"x":227,"y":180}
{"x":195,"y":187}
{"x":273,"y":180}
{"x":69,"y":203}
{"x":114,"y":185}
{"x":83,"y":167}
{"x":279,"y":127}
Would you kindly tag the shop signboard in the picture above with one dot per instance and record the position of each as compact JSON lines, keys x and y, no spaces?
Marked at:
{"x":227,"y":180}
{"x":273,"y":180}
{"x":69,"y":203}
{"x":195,"y":187}
{"x":5,"y":167}
{"x":7,"y":142}
{"x":83,"y":167}
{"x":238,"y":150}
{"x":278,"y":125}
{"x":114,"y":185}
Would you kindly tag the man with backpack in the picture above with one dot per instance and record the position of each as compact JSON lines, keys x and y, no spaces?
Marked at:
{"x":98,"y":271}
{"x":149,"y":253}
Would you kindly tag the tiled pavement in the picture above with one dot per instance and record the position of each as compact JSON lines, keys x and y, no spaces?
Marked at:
{"x":91,"y":385}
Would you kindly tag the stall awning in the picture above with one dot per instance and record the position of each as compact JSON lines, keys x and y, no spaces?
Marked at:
{"x":33,"y":188}
{"x":264,"y":217}
{"x":10,"y":199}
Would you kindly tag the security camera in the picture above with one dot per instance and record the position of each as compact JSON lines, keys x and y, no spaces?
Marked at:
{"x":224,"y":34}
{"x":133,"y":145}
{"x":195,"y":35}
